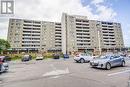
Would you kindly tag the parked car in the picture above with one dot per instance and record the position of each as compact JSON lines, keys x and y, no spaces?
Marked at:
{"x":128,"y":56}
{"x":26,"y":58}
{"x":7,"y":58}
{"x":56,"y":56}
{"x":3,"y":64}
{"x":82,"y":57}
{"x":108,"y":61}
{"x":39,"y":57}
{"x":123,"y":55}
{"x":66,"y":56}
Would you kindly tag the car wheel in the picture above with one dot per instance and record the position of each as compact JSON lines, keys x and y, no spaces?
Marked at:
{"x":76,"y":61}
{"x":88,"y":61}
{"x":123,"y":63}
{"x":108,"y":66}
{"x":82,"y":60}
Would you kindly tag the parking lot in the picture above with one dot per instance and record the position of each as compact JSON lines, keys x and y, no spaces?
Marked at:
{"x":63,"y":73}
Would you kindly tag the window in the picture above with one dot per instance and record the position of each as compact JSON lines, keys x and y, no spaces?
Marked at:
{"x":77,"y":20}
{"x":78,"y":24}
{"x":27,"y":21}
{"x":26,"y":31}
{"x":110,"y":26}
{"x":85,"y":21}
{"x":110,"y":23}
{"x":26,"y":28}
{"x":35,"y":35}
{"x":36,"y":22}
{"x":26,"y":35}
{"x":57,"y":33}
{"x":85,"y":27}
{"x":104,"y":23}
{"x":57,"y":26}
{"x":104,"y":26}
{"x":85,"y":24}
{"x":27,"y":25}
{"x":78,"y":27}
{"x":35,"y":31}
{"x":36,"y":25}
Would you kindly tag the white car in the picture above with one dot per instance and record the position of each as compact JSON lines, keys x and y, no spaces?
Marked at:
{"x":82,"y":58}
{"x":39,"y":57}
{"x":4,"y":67}
{"x":3,"y":64}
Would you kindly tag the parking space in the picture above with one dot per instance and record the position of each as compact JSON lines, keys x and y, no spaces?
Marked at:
{"x":63,"y":73}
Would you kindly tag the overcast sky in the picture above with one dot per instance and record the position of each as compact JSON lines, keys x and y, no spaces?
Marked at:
{"x":51,"y":10}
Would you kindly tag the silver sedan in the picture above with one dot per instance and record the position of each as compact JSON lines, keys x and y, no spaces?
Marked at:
{"x":108,"y":62}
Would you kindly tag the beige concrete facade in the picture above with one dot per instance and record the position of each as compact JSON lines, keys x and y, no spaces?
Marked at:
{"x":74,"y":33}
{"x":34,"y":35}
{"x":79,"y":33}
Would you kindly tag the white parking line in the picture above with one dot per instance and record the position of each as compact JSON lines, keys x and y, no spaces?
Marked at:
{"x":55,"y":77}
{"x":112,"y":74}
{"x":56,"y":72}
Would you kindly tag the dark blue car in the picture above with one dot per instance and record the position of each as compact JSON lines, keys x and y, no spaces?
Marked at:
{"x":66,"y":56}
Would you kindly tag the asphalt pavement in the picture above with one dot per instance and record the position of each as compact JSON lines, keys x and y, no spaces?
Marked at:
{"x":63,"y":73}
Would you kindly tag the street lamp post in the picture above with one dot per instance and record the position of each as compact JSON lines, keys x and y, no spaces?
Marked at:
{"x":99,"y":40}
{"x":99,"y":43}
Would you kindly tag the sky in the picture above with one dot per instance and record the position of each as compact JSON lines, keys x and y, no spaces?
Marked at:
{"x":51,"y":10}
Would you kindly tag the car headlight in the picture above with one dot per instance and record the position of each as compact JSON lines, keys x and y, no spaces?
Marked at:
{"x":101,"y":62}
{"x":91,"y":61}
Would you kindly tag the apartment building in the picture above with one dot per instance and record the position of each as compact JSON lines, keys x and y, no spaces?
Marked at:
{"x":74,"y":33}
{"x":80,"y":34}
{"x":34,"y":35}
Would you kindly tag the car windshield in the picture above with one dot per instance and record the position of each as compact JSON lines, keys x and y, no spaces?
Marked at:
{"x":83,"y":54}
{"x":104,"y":57}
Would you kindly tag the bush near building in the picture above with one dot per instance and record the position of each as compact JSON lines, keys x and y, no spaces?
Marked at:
{"x":4,"y":45}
